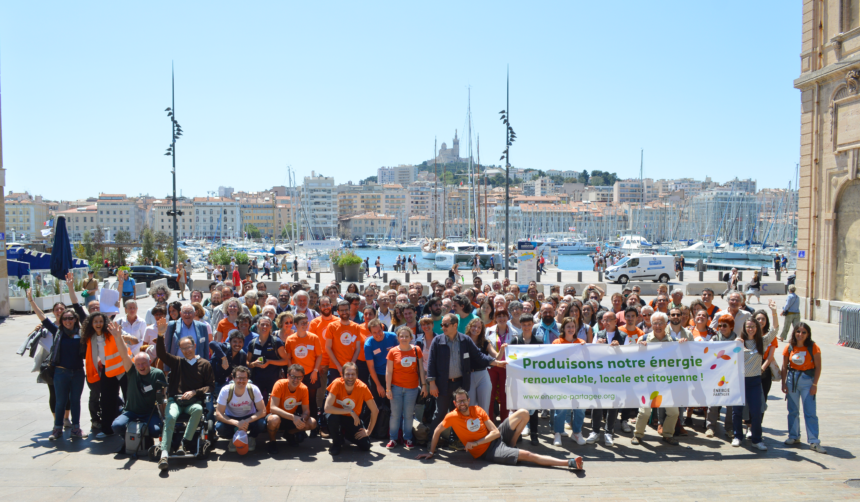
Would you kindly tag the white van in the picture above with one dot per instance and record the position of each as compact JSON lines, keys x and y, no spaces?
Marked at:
{"x":641,"y":267}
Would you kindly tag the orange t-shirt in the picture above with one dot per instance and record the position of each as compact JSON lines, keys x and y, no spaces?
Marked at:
{"x":773,"y":346}
{"x":304,"y":350}
{"x":225,"y":327}
{"x":632,"y":336}
{"x":799,"y":358}
{"x":701,"y":336}
{"x":287,"y":399}
{"x":354,"y":401}
{"x":317,"y":327}
{"x":561,"y":340}
{"x":343,"y":340}
{"x":469,"y":428}
{"x":405,"y":373}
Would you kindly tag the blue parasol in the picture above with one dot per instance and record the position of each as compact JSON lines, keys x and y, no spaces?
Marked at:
{"x":61,"y":253}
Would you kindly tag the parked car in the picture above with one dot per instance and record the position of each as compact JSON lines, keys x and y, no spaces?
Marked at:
{"x":638,"y":267}
{"x":148,"y":273}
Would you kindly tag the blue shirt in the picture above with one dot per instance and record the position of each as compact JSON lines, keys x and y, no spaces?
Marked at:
{"x":792,"y":304}
{"x":549,"y":333}
{"x":380,"y":361}
{"x":249,"y":340}
{"x":128,"y":287}
{"x":359,"y":318}
{"x":187,"y":331}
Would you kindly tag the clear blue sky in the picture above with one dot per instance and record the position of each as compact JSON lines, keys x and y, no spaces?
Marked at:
{"x":343,"y":88}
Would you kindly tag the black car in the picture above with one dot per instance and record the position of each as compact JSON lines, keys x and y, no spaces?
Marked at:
{"x":148,"y":273}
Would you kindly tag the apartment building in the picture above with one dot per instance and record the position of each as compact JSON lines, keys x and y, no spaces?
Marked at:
{"x":25,"y":217}
{"x":319,"y":200}
{"x":116,"y":212}
{"x":217,"y":217}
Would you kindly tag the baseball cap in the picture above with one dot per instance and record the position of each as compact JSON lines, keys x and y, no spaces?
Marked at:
{"x":240,"y":441}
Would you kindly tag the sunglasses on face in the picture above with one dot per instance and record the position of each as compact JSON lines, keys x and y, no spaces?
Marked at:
{"x":722,"y":325}
{"x":445,"y":324}
{"x":68,"y":318}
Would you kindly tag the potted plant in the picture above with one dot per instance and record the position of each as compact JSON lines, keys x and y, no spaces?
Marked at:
{"x":18,"y":302}
{"x":351,"y":264}
{"x":242,"y":260}
{"x":334,"y":257}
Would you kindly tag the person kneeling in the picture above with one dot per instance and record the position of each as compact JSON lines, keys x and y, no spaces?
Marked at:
{"x":474,"y":428}
{"x":289,"y":409}
{"x":240,"y":407}
{"x":343,"y":407}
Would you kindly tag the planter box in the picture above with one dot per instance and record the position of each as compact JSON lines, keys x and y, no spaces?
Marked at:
{"x":19,"y":304}
{"x":243,"y":271}
{"x":46,"y":302}
{"x":352,"y":273}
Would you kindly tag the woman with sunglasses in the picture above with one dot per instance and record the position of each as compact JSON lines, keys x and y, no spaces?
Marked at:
{"x":67,"y":358}
{"x":160,"y":294}
{"x":801,"y":370}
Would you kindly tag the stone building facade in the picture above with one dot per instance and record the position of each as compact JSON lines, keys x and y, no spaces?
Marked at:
{"x":828,"y":264}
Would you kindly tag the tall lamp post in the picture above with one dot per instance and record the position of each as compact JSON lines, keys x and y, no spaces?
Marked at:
{"x":510,"y":137}
{"x":171,"y":150}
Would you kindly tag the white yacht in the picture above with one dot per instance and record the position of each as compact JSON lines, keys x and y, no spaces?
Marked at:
{"x":464,"y":253}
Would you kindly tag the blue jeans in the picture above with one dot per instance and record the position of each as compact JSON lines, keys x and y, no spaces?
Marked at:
{"x":120,"y":425}
{"x":560,"y":416}
{"x":753,"y":405}
{"x":402,"y":411}
{"x":799,"y":385}
{"x":254,"y":428}
{"x":68,"y":387}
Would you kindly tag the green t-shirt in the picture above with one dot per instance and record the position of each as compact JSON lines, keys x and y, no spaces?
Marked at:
{"x":142,"y":389}
{"x":464,"y":321}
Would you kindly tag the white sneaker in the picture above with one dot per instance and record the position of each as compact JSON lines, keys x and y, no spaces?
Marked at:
{"x":817,"y":447}
{"x":607,"y":439}
{"x":626,"y":427}
{"x":789,"y":441}
{"x":578,"y":438}
{"x":567,"y":427}
{"x":761,"y":446}
{"x":749,"y":433}
{"x":557,"y":440}
{"x":736,"y":442}
{"x":526,"y":431}
{"x":592,"y":438}
{"x":709,"y":433}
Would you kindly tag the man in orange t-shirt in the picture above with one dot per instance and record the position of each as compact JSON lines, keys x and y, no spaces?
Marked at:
{"x":341,"y":342}
{"x":482,"y":439}
{"x":318,"y":326}
{"x":343,"y":405}
{"x":629,"y":329}
{"x":289,"y":409}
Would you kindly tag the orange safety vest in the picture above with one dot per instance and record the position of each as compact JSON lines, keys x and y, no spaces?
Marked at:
{"x":113,"y":361}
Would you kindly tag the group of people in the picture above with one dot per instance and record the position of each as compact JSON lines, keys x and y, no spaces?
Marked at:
{"x":396,"y":362}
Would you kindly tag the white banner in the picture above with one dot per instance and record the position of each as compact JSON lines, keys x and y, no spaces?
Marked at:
{"x":657,"y":375}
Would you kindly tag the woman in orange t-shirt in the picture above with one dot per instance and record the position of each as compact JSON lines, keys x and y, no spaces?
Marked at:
{"x":801,"y":370}
{"x":404,"y":377}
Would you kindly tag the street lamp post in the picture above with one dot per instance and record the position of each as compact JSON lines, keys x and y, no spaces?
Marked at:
{"x":171,"y":150}
{"x":510,"y":137}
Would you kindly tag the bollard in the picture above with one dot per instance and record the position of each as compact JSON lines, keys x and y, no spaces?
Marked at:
{"x":558,"y":277}
{"x":516,"y":277}
{"x":429,"y":278}
{"x":295,"y":277}
{"x":579,"y":277}
{"x":407,"y":278}
{"x":385,"y":277}
{"x":317,"y":287}
{"x":495,"y":274}
{"x":317,"y":274}
{"x":740,"y":276}
{"x":361,"y":288}
{"x":360,"y":277}
{"x":681,"y":275}
{"x":778,"y":273}
{"x":701,"y":277}
{"x":599,"y":276}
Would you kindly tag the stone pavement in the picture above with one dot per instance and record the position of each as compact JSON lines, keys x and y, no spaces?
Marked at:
{"x":33,"y":468}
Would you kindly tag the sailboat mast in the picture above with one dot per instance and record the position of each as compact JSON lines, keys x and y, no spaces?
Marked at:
{"x":435,"y":193}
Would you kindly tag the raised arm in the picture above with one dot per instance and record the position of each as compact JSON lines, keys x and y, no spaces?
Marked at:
{"x":70,"y":283}
{"x":114,"y":329}
{"x":36,"y":309}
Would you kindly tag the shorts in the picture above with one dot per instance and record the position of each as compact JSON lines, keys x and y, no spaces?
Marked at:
{"x":499,"y":452}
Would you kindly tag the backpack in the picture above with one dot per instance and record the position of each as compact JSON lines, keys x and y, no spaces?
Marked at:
{"x":230,"y":393}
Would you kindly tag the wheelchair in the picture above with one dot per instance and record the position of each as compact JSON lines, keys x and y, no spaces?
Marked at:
{"x":203,"y":436}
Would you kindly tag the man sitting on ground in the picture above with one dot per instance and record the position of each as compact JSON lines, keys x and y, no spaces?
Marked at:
{"x":483,"y":440}
{"x":343,"y":406}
